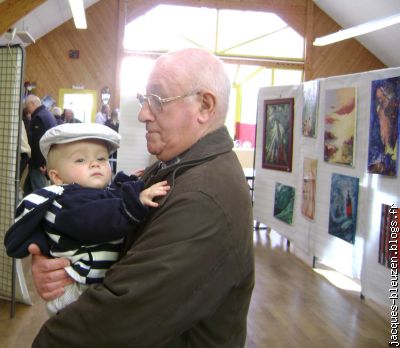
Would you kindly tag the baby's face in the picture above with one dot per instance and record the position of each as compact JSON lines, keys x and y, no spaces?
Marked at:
{"x":85,"y":163}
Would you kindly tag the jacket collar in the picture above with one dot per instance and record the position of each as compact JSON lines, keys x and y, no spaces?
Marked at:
{"x":211,"y":145}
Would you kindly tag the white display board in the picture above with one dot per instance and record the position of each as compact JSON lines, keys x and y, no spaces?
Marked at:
{"x":311,"y":237}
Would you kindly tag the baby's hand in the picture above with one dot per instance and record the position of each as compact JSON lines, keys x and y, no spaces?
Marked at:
{"x":138,"y":172}
{"x":159,"y":189}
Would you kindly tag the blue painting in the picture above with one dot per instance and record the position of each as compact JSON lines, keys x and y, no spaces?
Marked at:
{"x":343,"y":207}
{"x":384,"y":127}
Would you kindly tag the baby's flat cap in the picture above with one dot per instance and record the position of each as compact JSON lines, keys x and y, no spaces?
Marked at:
{"x":70,"y":132}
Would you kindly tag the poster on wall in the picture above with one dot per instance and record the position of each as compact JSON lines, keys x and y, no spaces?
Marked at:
{"x":340,"y":126}
{"x":310,"y":108}
{"x":384,"y":127}
{"x":343,"y":207}
{"x":278,"y":134}
{"x":309,"y":187}
{"x":389,"y":240}
{"x":284,"y":202}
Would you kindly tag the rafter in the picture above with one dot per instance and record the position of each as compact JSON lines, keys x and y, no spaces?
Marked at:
{"x":11,"y":11}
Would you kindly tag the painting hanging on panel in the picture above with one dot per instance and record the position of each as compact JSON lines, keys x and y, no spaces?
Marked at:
{"x":384,"y":127}
{"x":389,"y":240}
{"x":310,"y":108}
{"x":278,"y":134}
{"x":340,"y":126}
{"x":343,"y":207}
{"x":309,"y":187}
{"x":284,"y":203}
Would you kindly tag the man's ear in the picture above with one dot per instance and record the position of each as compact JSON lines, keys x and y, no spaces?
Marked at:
{"x":54,"y":177}
{"x":207,"y":107}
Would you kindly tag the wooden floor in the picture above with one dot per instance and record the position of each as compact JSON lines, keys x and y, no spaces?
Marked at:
{"x":292,"y":306}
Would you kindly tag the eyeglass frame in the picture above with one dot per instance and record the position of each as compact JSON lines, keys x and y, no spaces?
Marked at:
{"x":142,"y":98}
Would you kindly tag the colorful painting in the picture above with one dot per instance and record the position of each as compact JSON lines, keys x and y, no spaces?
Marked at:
{"x":340,"y":126}
{"x":384,"y":127}
{"x":310,"y":108}
{"x":278,"y":134}
{"x":343,"y":207}
{"x":284,"y":203}
{"x":389,"y":240}
{"x":309,"y":187}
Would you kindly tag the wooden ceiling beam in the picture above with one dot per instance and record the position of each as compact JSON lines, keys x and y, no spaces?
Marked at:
{"x":12,"y":11}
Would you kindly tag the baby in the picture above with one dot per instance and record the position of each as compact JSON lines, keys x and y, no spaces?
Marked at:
{"x":83,"y":216}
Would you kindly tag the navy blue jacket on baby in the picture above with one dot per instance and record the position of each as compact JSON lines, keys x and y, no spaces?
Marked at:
{"x":85,"y":225}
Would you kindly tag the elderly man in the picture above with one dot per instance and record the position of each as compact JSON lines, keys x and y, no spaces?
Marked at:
{"x":41,"y":121}
{"x":187,"y":279}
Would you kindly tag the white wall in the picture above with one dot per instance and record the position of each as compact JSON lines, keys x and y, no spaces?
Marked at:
{"x":311,"y":238}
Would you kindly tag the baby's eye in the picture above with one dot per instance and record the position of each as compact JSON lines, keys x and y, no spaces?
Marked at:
{"x":79,"y":160}
{"x":102,"y":159}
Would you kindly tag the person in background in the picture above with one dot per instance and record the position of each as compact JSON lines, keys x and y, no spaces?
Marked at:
{"x":113,"y":123}
{"x":25,"y":155}
{"x":26,"y":118}
{"x":103,"y":115}
{"x":186,"y":278}
{"x":57,"y":113}
{"x":41,"y":121}
{"x":77,"y":164}
{"x":69,"y":117}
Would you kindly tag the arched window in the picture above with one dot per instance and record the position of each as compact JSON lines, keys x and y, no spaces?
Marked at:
{"x":254,"y":46}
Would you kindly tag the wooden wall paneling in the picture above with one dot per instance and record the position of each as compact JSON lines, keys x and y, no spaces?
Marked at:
{"x":48,"y":63}
{"x":345,"y":57}
{"x":308,"y":40}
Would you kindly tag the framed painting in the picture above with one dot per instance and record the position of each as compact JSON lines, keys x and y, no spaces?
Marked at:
{"x":278,"y":134}
{"x":383,"y":144}
{"x":343,"y":207}
{"x":310,"y":108}
{"x":284,"y":203}
{"x":389,"y":241}
{"x":309,"y":187}
{"x":340,"y":126}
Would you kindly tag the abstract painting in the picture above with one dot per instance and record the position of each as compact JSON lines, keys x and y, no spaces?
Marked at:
{"x":343,"y":207}
{"x":309,"y":187}
{"x":384,"y":127}
{"x":310,"y":108}
{"x":389,"y":240}
{"x":278,"y":134}
{"x":284,"y":203}
{"x":340,"y":126}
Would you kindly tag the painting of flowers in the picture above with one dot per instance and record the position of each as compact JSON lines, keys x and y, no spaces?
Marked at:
{"x":284,"y":203}
{"x":343,"y":207}
{"x":384,"y":127}
{"x":340,"y":126}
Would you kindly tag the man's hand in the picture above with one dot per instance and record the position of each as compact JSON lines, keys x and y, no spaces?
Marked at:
{"x":48,"y":275}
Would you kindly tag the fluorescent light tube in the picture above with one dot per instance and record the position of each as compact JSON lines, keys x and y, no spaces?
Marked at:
{"x":357,"y":30}
{"x":78,"y":13}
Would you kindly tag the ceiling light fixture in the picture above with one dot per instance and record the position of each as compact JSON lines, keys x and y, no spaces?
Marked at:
{"x":357,"y":30}
{"x":78,"y":13}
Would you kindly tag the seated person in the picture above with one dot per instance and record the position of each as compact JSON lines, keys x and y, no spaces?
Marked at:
{"x":81,"y":217}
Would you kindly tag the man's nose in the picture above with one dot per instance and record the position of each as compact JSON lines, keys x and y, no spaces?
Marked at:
{"x":145,"y":113}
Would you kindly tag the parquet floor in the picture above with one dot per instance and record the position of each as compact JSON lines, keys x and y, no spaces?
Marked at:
{"x":292,"y":307}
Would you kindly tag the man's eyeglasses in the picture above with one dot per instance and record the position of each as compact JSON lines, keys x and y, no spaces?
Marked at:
{"x":156,"y":103}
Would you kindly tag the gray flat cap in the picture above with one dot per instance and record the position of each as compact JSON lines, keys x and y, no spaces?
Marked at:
{"x":69,"y":132}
